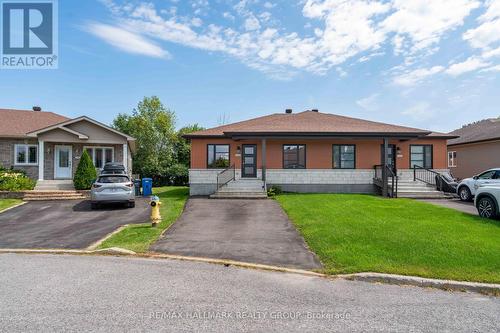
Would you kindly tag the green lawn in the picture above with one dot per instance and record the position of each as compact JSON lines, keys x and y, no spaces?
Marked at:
{"x":361,"y":233}
{"x":6,"y":203}
{"x":138,"y":237}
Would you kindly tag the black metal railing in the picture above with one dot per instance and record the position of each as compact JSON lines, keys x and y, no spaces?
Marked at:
{"x":392,"y":179}
{"x":226,"y":176}
{"x":426,"y":175}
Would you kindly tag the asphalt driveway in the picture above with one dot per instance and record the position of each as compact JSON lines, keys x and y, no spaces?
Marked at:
{"x":256,"y":231}
{"x":67,"y":224}
{"x":465,"y":207}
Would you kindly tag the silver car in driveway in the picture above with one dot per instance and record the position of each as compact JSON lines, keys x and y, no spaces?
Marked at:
{"x":110,"y":188}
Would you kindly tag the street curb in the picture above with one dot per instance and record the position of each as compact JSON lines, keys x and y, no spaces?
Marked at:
{"x":393,"y":279}
{"x":12,"y":207}
{"x":477,"y":287}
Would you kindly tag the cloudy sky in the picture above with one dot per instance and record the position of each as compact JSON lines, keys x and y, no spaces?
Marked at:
{"x":424,"y":63}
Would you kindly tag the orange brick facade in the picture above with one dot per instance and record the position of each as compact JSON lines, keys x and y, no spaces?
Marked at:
{"x":319,"y":152}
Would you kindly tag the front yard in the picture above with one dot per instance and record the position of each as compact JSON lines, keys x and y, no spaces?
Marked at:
{"x":138,"y":237}
{"x":7,"y":203}
{"x":363,"y":233}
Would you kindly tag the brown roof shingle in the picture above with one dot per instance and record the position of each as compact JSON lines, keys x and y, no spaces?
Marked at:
{"x":307,"y":122}
{"x":484,"y":130}
{"x":16,"y":123}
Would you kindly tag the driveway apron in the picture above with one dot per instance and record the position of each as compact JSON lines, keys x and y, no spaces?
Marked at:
{"x":255,"y":231}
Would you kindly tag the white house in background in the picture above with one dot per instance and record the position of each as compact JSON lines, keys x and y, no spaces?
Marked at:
{"x":48,"y":146}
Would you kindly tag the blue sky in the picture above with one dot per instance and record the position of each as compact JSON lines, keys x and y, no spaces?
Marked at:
{"x":422,"y":63}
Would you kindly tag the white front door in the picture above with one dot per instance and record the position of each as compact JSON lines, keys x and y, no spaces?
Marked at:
{"x":63,"y":162}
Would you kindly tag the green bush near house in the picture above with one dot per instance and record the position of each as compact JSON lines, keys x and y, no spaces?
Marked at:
{"x":14,"y":180}
{"x":85,"y":174}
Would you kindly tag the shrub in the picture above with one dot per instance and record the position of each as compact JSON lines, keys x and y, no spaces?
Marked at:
{"x":274,"y":191}
{"x":85,"y":174}
{"x":12,"y":180}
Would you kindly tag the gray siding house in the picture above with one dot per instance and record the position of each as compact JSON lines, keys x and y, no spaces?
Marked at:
{"x":48,"y":146}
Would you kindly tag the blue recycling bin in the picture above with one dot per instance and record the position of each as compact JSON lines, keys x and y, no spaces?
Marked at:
{"x":147,"y":187}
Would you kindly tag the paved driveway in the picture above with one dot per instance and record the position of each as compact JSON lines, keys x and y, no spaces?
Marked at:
{"x":256,"y":231}
{"x":465,"y":207}
{"x":64,"y":224}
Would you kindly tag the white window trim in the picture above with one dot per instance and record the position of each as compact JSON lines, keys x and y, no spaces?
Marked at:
{"x":26,"y":147}
{"x":453,"y":160}
{"x":103,"y":153}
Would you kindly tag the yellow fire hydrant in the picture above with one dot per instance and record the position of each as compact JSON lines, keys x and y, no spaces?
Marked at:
{"x":155,"y":210}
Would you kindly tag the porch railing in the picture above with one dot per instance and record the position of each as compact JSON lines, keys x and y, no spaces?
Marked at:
{"x":427,"y":176}
{"x":226,"y":176}
{"x":392,"y":179}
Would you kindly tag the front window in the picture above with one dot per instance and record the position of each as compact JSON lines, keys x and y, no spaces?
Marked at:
{"x":452,"y":159}
{"x":344,"y":156}
{"x":100,"y":155}
{"x":26,"y":154}
{"x":294,"y":156}
{"x":421,"y":155}
{"x":487,"y":175}
{"x":218,"y":156}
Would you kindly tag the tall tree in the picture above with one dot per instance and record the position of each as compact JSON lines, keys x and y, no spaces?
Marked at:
{"x":153,"y":125}
{"x":183,"y":146}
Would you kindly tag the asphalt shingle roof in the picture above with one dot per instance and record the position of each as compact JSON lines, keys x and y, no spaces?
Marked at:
{"x":16,"y":123}
{"x":308,"y":122}
{"x":488,"y":129}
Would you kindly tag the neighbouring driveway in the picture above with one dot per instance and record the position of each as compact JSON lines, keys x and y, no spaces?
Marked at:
{"x":67,"y":224}
{"x":465,"y":207}
{"x":256,"y":231}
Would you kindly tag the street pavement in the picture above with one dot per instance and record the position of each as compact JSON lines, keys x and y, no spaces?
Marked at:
{"x":41,"y":293}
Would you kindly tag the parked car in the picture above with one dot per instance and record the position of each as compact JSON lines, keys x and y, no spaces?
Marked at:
{"x":112,"y":188}
{"x":467,"y":188}
{"x":486,"y":201}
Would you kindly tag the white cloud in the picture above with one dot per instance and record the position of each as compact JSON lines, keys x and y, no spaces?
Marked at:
{"x":488,"y":32}
{"x":410,"y":78}
{"x":420,"y":112}
{"x":344,"y":30}
{"x":422,"y":23}
{"x":469,"y":65}
{"x":252,"y":23}
{"x":369,"y":103}
{"x":269,"y":5}
{"x":125,"y":40}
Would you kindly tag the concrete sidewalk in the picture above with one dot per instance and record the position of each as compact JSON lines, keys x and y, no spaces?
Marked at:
{"x":254,"y":231}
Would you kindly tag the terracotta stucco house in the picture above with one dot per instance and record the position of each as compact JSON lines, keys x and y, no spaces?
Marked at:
{"x":476,"y":149}
{"x":311,"y":152}
{"x":48,"y":146}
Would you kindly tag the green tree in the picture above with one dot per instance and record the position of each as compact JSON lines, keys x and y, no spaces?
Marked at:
{"x":153,"y":125}
{"x":85,"y":173}
{"x":183,"y":146}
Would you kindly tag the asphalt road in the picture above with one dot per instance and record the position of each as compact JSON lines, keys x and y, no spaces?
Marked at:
{"x":67,"y":224}
{"x":110,"y":294}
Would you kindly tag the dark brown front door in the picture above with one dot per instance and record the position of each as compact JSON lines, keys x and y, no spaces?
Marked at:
{"x":249,"y":161}
{"x":391,"y":156}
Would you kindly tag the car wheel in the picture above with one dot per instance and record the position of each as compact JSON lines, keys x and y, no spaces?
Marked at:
{"x":464,"y":193}
{"x":131,"y":204}
{"x":486,"y":208}
{"x":94,"y":205}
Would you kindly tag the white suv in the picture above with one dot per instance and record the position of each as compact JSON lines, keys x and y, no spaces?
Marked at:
{"x":467,"y":188}
{"x":486,"y":202}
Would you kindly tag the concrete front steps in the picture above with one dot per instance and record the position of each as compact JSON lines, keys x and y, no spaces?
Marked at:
{"x":54,"y":195}
{"x":241,"y":189}
{"x":54,"y":185}
{"x":46,"y":190}
{"x":419,"y":190}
